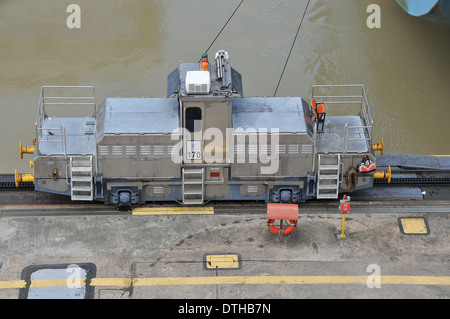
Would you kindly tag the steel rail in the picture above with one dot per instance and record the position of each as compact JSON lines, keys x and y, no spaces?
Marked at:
{"x":314,"y":207}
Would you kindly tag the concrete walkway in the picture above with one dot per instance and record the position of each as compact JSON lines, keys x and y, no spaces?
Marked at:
{"x":163,"y":256}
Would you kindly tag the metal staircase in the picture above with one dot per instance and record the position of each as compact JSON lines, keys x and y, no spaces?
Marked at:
{"x":193,"y":186}
{"x":81,"y":186}
{"x":328,"y":168}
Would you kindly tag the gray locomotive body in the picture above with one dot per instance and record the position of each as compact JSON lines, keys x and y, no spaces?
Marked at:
{"x":204,"y":141}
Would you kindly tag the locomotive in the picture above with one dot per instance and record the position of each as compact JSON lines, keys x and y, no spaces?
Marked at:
{"x":205,"y":141}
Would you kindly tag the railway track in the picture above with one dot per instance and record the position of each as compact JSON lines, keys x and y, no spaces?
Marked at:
{"x":417,"y":177}
{"x":24,"y":201}
{"x":45,"y":206}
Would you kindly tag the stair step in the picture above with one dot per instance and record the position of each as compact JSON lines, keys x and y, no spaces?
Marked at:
{"x":193,"y":192}
{"x":81,"y":178}
{"x":193,"y":182}
{"x":193,"y":201}
{"x":328,"y":167}
{"x":81,"y":161}
{"x":81,"y":197}
{"x":191,"y":187}
{"x":327,"y":196}
{"x":81,"y":188}
{"x":193,"y":171}
{"x":81,"y":169}
{"x":328,"y":177}
{"x":334,"y":186}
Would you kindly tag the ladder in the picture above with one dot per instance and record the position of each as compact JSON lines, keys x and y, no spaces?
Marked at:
{"x":81,"y":186}
{"x":328,"y":170}
{"x":192,"y":185}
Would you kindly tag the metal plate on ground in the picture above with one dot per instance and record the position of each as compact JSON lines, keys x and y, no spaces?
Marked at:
{"x":58,"y":281}
{"x":413,"y":225}
{"x":173,"y":210}
{"x":222,"y":261}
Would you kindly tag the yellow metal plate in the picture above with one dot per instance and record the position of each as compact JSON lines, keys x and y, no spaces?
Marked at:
{"x":413,"y":226}
{"x":222,"y":261}
{"x":173,"y":211}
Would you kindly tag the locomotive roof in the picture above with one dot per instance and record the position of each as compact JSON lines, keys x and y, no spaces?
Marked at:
{"x":288,"y":114}
{"x":138,"y":116}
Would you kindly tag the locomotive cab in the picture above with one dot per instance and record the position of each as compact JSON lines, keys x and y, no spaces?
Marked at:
{"x":205,"y":92}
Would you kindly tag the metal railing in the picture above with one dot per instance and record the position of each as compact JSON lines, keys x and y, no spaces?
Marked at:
{"x":347,"y":133}
{"x":51,"y":132}
{"x":353,"y":96}
{"x":60,"y":96}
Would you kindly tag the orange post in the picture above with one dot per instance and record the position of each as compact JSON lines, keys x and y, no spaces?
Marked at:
{"x":344,"y":207}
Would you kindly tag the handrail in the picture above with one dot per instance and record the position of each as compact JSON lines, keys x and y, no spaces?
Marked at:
{"x":358,"y":99}
{"x":62,"y":139}
{"x":367,"y":104}
{"x":329,"y":94}
{"x":347,"y":128}
{"x":85,"y":96}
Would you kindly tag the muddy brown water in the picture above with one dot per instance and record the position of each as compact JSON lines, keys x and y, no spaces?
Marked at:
{"x":127,"y":48}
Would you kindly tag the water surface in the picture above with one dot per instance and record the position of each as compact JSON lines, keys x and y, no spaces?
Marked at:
{"x":128,"y":47}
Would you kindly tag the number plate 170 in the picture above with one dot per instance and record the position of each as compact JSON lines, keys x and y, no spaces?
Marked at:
{"x":194,"y":150}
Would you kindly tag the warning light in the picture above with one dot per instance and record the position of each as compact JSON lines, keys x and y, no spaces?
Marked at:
{"x":205,"y":64}
{"x":344,"y":206}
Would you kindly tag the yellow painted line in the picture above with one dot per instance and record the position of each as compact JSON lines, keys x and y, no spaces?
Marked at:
{"x":268,"y":280}
{"x":441,"y":155}
{"x":234,"y":280}
{"x":416,"y":280}
{"x":173,"y":211}
{"x":111,"y":282}
{"x":289,"y":280}
{"x":248,"y":280}
{"x":11,"y":284}
{"x":54,"y":282}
